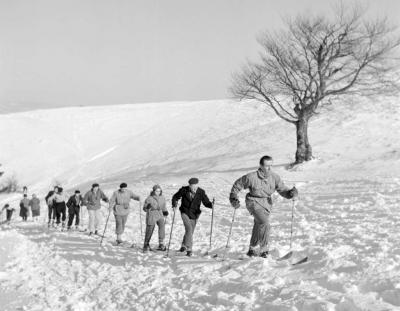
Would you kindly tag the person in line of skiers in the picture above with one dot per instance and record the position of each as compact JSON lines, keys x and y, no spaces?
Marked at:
{"x":34,"y":204}
{"x":156,"y":211}
{"x":9,"y":212}
{"x":74,"y":207}
{"x":261,"y":184}
{"x":59,"y":199}
{"x":92,"y":200}
{"x":191,"y":198}
{"x":51,"y":207}
{"x":24,"y":208}
{"x":120,"y":205}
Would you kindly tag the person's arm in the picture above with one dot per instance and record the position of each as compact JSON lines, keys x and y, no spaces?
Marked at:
{"x":146,"y":205}
{"x":176,"y":197}
{"x":135,"y":197}
{"x":285,"y":191}
{"x":113,"y":200}
{"x":103,"y":196}
{"x":69,"y":203}
{"x":206,"y":201}
{"x":239,"y":185}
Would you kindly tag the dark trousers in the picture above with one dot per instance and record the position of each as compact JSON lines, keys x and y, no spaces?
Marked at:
{"x":261,"y":229}
{"x":60,"y":212}
{"x":190,"y":225}
{"x":73,"y":212}
{"x":9,"y":214}
{"x":161,"y":232}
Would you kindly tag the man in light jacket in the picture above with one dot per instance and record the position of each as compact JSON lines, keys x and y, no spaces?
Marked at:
{"x":261,"y":184}
{"x":120,"y":205}
{"x":92,"y":201}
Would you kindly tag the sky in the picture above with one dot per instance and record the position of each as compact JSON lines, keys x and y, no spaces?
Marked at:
{"x":101,"y":52}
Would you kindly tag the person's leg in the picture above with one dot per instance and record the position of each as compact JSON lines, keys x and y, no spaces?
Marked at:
{"x":118,"y":227}
{"x":91,"y":220}
{"x":189,"y":228}
{"x":148,"y":235}
{"x":70,"y":217}
{"x":261,"y":219}
{"x":58,"y":213}
{"x":63,"y":213}
{"x":193,"y":223}
{"x":161,"y":231}
{"x":77,"y":219}
{"x":9,"y":214}
{"x":97,"y":221}
{"x":49,"y":213}
{"x":254,"y":236}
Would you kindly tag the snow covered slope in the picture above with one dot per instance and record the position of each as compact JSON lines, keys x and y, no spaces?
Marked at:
{"x":346,"y":219}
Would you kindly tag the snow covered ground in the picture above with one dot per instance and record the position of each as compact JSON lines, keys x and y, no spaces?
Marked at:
{"x":346,"y":220}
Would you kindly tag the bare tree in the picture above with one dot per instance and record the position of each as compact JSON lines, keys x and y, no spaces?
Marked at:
{"x":315,"y":60}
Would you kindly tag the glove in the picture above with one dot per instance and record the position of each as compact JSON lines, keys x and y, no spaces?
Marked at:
{"x":165,"y":213}
{"x":234,"y":200}
{"x":293,"y":193}
{"x":174,"y":206}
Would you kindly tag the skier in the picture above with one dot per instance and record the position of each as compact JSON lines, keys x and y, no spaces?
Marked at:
{"x":92,"y":200}
{"x":120,"y":205}
{"x":51,"y":208}
{"x":156,"y":211}
{"x":191,"y":198}
{"x":24,"y":208}
{"x":261,"y":184}
{"x":74,"y":206}
{"x":9,"y":212}
{"x":59,"y":201}
{"x":34,"y":203}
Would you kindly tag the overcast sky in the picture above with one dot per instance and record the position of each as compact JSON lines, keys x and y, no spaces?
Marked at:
{"x":86,"y":52}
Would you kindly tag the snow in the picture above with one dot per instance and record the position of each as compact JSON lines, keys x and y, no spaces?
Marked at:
{"x":345,"y":221}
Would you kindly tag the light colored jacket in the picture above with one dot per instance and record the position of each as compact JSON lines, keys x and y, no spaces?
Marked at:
{"x":154,"y":206}
{"x":120,"y":201}
{"x":261,"y":185}
{"x":34,"y":204}
{"x":92,"y":200}
{"x":58,"y":198}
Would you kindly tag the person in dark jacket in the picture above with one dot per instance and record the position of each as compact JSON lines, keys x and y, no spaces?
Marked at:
{"x":24,"y":208}
{"x":74,"y":207}
{"x":191,"y":198}
{"x":9,"y":212}
{"x":51,"y":207}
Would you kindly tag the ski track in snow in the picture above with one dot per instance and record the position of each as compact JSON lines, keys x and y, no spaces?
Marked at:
{"x":346,"y":220}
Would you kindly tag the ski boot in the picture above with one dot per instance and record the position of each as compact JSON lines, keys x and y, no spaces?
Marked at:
{"x":161,"y":248}
{"x":251,"y":253}
{"x":182,"y":249}
{"x":264,"y":254}
{"x":189,"y":253}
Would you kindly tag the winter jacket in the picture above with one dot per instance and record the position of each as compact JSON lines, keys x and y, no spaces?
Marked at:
{"x":154,"y":206}
{"x":48,"y":196}
{"x":57,"y":198}
{"x":74,"y":202}
{"x":120,"y":201}
{"x":34,"y":204}
{"x":189,"y":206}
{"x":24,"y":207}
{"x":92,"y":199}
{"x":261,"y":184}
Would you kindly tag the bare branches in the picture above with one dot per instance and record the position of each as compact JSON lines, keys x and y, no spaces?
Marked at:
{"x":316,"y":59}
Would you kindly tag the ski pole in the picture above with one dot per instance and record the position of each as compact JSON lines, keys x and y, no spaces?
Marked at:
{"x":170,"y":234}
{"x":105,"y":227}
{"x":140,"y":216}
{"x":230,"y":230}
{"x":291,"y":225}
{"x":212,"y":220}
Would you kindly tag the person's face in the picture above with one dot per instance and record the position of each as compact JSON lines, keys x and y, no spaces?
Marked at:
{"x":34,"y":196}
{"x":267,"y":164}
{"x":123,"y":189}
{"x":77,"y":194}
{"x":194,"y":187}
{"x":95,"y":189}
{"x":157,"y":192}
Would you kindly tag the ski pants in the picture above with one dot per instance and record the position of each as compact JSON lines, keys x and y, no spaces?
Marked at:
{"x":261,"y":229}
{"x":61,"y":210}
{"x":120,"y":222}
{"x":9,"y":215}
{"x":73,"y":212}
{"x":161,"y":232}
{"x":190,"y":225}
{"x":51,"y":212}
{"x":94,"y":220}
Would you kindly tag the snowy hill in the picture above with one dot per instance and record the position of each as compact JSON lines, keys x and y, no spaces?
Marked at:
{"x":346,"y":219}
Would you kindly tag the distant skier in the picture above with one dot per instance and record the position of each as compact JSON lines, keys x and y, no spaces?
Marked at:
{"x":120,"y":205}
{"x":34,"y":204}
{"x":261,"y":184}
{"x":74,"y":207}
{"x":24,"y":208}
{"x":51,"y":207}
{"x":92,"y":200}
{"x":9,"y":212}
{"x":191,"y":198}
{"x":59,"y":199}
{"x":156,"y":211}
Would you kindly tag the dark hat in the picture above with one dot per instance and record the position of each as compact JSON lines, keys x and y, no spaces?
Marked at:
{"x":25,"y":195}
{"x":123,"y":185}
{"x":7,"y":205}
{"x":155,"y":187}
{"x":60,"y":189}
{"x":95,"y":185}
{"x":193,"y":181}
{"x":77,"y":191}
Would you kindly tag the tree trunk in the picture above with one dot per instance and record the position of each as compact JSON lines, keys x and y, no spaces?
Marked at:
{"x":304,"y":151}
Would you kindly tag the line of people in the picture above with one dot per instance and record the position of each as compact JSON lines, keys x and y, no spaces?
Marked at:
{"x":261,"y":185}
